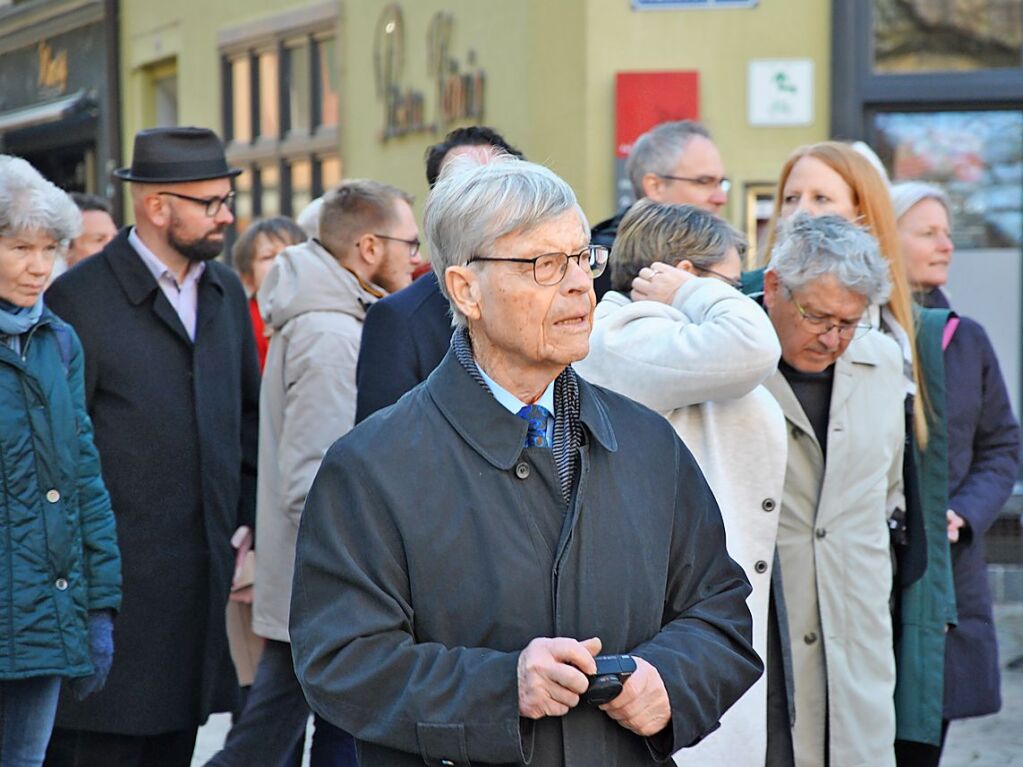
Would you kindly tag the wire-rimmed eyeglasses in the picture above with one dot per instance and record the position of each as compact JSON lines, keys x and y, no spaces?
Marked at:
{"x":550,"y":268}
{"x":704,"y":182}
{"x":848,"y":331}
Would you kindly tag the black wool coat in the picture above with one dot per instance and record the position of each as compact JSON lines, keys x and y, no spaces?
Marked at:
{"x":433,"y":548}
{"x":176,"y":427}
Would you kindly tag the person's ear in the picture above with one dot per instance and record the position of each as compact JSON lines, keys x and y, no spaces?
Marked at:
{"x":771,"y":286}
{"x":686,"y":266}
{"x":652,"y":184}
{"x":157,"y":209}
{"x":370,"y":250}
{"x":463,"y":285}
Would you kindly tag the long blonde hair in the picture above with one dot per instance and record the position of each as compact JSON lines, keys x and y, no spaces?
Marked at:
{"x":872,"y":199}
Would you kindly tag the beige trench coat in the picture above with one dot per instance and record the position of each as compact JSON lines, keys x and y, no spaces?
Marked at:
{"x":833,"y":546}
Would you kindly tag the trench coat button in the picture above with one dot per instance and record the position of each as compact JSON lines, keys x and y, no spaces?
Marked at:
{"x":522,"y":470}
{"x":820,"y":532}
{"x":760,"y":566}
{"x":61,"y":584}
{"x":52,"y":496}
{"x":768,"y":504}
{"x":810,"y":638}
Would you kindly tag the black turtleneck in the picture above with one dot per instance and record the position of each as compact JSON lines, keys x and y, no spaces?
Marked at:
{"x":813,"y":390}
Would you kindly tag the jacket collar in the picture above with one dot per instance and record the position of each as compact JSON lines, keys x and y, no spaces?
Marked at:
{"x":138,"y":284}
{"x":493,"y":432}
{"x":861,"y":353}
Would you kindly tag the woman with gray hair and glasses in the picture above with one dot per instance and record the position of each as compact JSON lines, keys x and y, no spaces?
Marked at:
{"x":840,"y":385}
{"x":983,"y":461}
{"x":691,"y":346}
{"x":449,"y":609}
{"x":59,"y":562}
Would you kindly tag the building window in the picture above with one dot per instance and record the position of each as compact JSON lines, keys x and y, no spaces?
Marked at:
{"x":281,"y":111}
{"x":946,"y":35}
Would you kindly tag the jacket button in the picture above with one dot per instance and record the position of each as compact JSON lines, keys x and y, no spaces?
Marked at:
{"x":760,"y":566}
{"x":52,"y":496}
{"x":61,"y":584}
{"x":810,"y":638}
{"x":522,"y":470}
{"x":820,"y":532}
{"x":768,"y":504}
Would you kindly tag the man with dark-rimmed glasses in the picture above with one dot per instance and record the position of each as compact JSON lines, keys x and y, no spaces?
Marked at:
{"x":172,"y":385}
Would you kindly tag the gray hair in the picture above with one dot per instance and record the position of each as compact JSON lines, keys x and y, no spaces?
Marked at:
{"x":474,"y":205}
{"x":909,"y":193}
{"x":657,"y":150}
{"x":30,"y":203}
{"x":653,"y":231}
{"x":809,"y":248}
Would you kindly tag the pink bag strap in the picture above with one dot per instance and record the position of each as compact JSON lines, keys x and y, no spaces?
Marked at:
{"x":950,"y":329}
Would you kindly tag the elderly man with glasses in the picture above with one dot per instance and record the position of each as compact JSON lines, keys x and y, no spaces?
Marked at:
{"x":839,"y":384}
{"x":466,"y":553}
{"x":172,"y":386}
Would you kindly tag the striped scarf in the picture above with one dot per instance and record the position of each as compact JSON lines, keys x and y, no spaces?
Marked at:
{"x":568,"y":428}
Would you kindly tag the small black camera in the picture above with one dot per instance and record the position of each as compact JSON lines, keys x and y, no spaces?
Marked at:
{"x":607,"y":683}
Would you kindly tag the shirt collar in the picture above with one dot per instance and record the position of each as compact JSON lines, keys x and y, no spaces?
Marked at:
{"x":513,"y":404}
{"x":158,"y":268}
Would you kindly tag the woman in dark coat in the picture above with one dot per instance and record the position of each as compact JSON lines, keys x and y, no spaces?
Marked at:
{"x":60,"y":570}
{"x":983,"y":459}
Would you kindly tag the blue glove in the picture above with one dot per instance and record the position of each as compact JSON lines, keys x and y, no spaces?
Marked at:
{"x":101,"y":651}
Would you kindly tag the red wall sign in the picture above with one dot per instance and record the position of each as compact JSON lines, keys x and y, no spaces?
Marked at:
{"x":645,"y":99}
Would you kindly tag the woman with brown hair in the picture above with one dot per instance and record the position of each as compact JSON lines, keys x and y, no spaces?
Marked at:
{"x":834,"y":177}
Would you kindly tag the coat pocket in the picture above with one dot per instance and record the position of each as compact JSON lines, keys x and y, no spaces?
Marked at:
{"x":443,"y":745}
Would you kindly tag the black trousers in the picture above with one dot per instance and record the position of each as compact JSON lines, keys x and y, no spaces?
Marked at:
{"x":78,"y":748}
{"x":910,"y":754}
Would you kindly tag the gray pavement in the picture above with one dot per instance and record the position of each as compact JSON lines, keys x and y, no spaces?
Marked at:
{"x":987,"y":741}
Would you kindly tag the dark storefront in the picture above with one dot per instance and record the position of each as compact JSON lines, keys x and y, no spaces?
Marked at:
{"x":58,"y":90}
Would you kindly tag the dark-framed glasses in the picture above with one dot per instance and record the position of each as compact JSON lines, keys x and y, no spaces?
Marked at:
{"x":848,"y":331}
{"x":212,"y":204}
{"x":732,"y":281}
{"x":550,"y":268}
{"x":413,"y":245}
{"x":704,"y":182}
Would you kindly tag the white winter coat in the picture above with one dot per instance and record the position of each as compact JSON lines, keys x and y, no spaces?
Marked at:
{"x":700,"y":362}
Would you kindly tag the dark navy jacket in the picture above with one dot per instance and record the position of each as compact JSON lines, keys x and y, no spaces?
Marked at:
{"x":404,"y":337}
{"x":983,"y":460}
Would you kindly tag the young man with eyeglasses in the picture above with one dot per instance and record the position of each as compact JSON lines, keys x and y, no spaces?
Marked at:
{"x":315,"y":299}
{"x":839,"y":384}
{"x":172,"y":386}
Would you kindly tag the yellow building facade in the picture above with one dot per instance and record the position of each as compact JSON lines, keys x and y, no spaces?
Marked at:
{"x":403,"y":73}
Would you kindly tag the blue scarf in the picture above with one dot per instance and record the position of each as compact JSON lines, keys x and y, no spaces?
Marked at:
{"x":16,"y":320}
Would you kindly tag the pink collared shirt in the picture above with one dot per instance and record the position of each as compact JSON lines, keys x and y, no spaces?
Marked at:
{"x":183,"y":297}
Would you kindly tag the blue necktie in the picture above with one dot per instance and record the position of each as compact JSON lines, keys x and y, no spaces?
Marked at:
{"x":536,"y":416}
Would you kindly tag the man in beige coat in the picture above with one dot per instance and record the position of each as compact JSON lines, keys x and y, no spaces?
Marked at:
{"x":692,"y":347}
{"x":840,"y":386}
{"x":315,"y":298}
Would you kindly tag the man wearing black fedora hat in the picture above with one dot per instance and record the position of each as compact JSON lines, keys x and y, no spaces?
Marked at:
{"x":172,"y":385}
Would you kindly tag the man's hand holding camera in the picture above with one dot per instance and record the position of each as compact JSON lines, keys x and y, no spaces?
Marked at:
{"x":555,"y":674}
{"x":643,"y":704}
